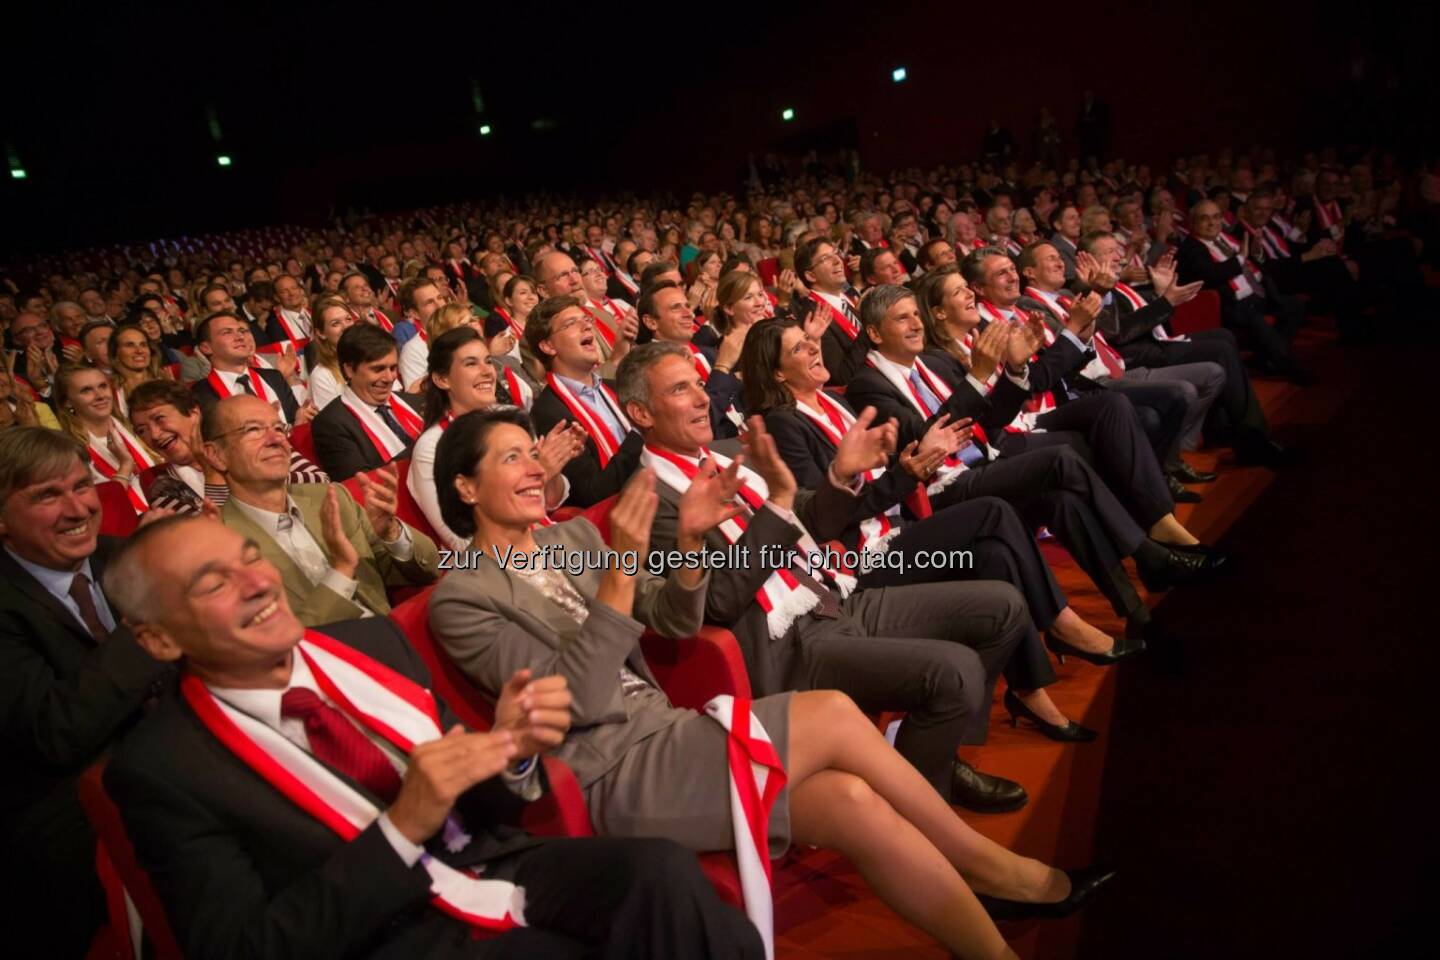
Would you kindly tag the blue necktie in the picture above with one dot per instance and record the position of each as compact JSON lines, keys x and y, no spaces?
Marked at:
{"x":384,"y":413}
{"x":928,"y":400}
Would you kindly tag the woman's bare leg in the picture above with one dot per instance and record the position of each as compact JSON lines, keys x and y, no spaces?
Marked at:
{"x":1169,"y":530}
{"x":839,"y":810}
{"x":828,"y":732}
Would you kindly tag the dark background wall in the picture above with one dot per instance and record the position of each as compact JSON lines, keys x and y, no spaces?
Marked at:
{"x":328,"y":108}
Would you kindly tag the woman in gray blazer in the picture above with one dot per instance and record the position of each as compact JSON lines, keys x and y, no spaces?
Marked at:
{"x":651,"y":769}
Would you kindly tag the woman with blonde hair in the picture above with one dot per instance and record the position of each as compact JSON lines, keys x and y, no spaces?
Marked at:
{"x":415,"y":355}
{"x":332,"y":317}
{"x":86,"y":409}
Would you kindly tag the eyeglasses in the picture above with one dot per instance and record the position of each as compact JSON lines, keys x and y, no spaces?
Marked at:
{"x":257,"y":431}
{"x":570,"y":323}
{"x":829,"y":258}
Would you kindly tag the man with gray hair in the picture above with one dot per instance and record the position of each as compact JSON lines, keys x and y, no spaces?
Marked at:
{"x":933,"y":650}
{"x":71,"y":677}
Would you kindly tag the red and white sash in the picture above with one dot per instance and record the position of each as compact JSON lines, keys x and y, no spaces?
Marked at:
{"x":382,"y":438}
{"x":1331,"y":220}
{"x":389,"y":706}
{"x":518,"y":390}
{"x":380,"y":320}
{"x":597,"y":317}
{"x":257,"y":383}
{"x":291,"y":331}
{"x":1037,"y":405}
{"x":756,"y":778}
{"x":953,"y":465}
{"x":107,"y":467}
{"x":834,"y":421}
{"x":510,"y":322}
{"x":1268,"y":239}
{"x":1138,"y":302}
{"x":1107,"y":361}
{"x":850,"y":329}
{"x":606,"y":443}
{"x":1220,"y":250}
{"x":781,"y":596}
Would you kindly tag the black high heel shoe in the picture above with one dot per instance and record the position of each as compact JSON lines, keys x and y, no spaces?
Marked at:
{"x":1071,"y":732}
{"x":1125,"y":648}
{"x":1083,"y":886}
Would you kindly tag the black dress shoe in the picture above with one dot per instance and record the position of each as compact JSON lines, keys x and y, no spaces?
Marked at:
{"x":1083,"y":886}
{"x":1179,"y":566}
{"x":1179,"y":494}
{"x":1188,"y":474}
{"x":1125,"y":648}
{"x":1070,"y":732}
{"x":983,"y":792}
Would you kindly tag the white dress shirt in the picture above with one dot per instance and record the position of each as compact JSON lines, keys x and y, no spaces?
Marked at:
{"x":289,"y":531}
{"x":57,"y":582}
{"x":265,"y":705}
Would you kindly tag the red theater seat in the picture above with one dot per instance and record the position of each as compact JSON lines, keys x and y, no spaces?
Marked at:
{"x":1202,"y":313}
{"x":121,"y":874}
{"x":300,"y":440}
{"x":117,"y":515}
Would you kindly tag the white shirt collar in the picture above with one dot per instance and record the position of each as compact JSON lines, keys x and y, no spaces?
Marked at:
{"x":268,"y":520}
{"x":55,"y":581}
{"x":264,"y":705}
{"x":885,"y":363}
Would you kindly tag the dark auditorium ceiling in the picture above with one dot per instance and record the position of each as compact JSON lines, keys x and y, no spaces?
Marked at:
{"x":118,"y":113}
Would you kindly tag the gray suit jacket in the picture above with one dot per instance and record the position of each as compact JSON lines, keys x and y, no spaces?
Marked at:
{"x":492,"y":622}
{"x":315,"y":605}
{"x":730,"y":602}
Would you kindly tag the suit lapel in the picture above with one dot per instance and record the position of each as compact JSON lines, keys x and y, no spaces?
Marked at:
{"x":290,"y":573}
{"x":35,"y":591}
{"x":309,"y":499}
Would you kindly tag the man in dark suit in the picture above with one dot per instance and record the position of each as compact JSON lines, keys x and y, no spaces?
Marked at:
{"x":820,"y":266}
{"x":245,"y":870}
{"x":71,"y":678}
{"x":1050,"y":484}
{"x":666,"y":312}
{"x":226,"y":341}
{"x":563,"y":336}
{"x":933,"y":650}
{"x":1246,"y":294}
{"x":372,"y":423}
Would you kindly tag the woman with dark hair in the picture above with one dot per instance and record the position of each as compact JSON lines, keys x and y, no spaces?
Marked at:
{"x":649,"y":768}
{"x":785,"y":379}
{"x":463,"y":377}
{"x":132,"y":362}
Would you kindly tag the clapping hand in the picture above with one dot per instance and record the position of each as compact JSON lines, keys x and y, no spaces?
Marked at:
{"x":864,"y":447}
{"x":439,"y":771}
{"x":343,"y":557}
{"x":381,"y":492}
{"x":1083,"y":313}
{"x":708,"y":502}
{"x":563,"y":443}
{"x":535,"y":712}
{"x":988,"y":350}
{"x":1162,"y":274}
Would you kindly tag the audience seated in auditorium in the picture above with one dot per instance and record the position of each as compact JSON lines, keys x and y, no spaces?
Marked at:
{"x":71,"y":677}
{"x":652,"y":769}
{"x":372,"y":422}
{"x":337,"y":558}
{"x":411,"y":847}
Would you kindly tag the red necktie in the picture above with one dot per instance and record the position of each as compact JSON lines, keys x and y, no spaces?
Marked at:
{"x":336,"y":741}
{"x":1113,"y":364}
